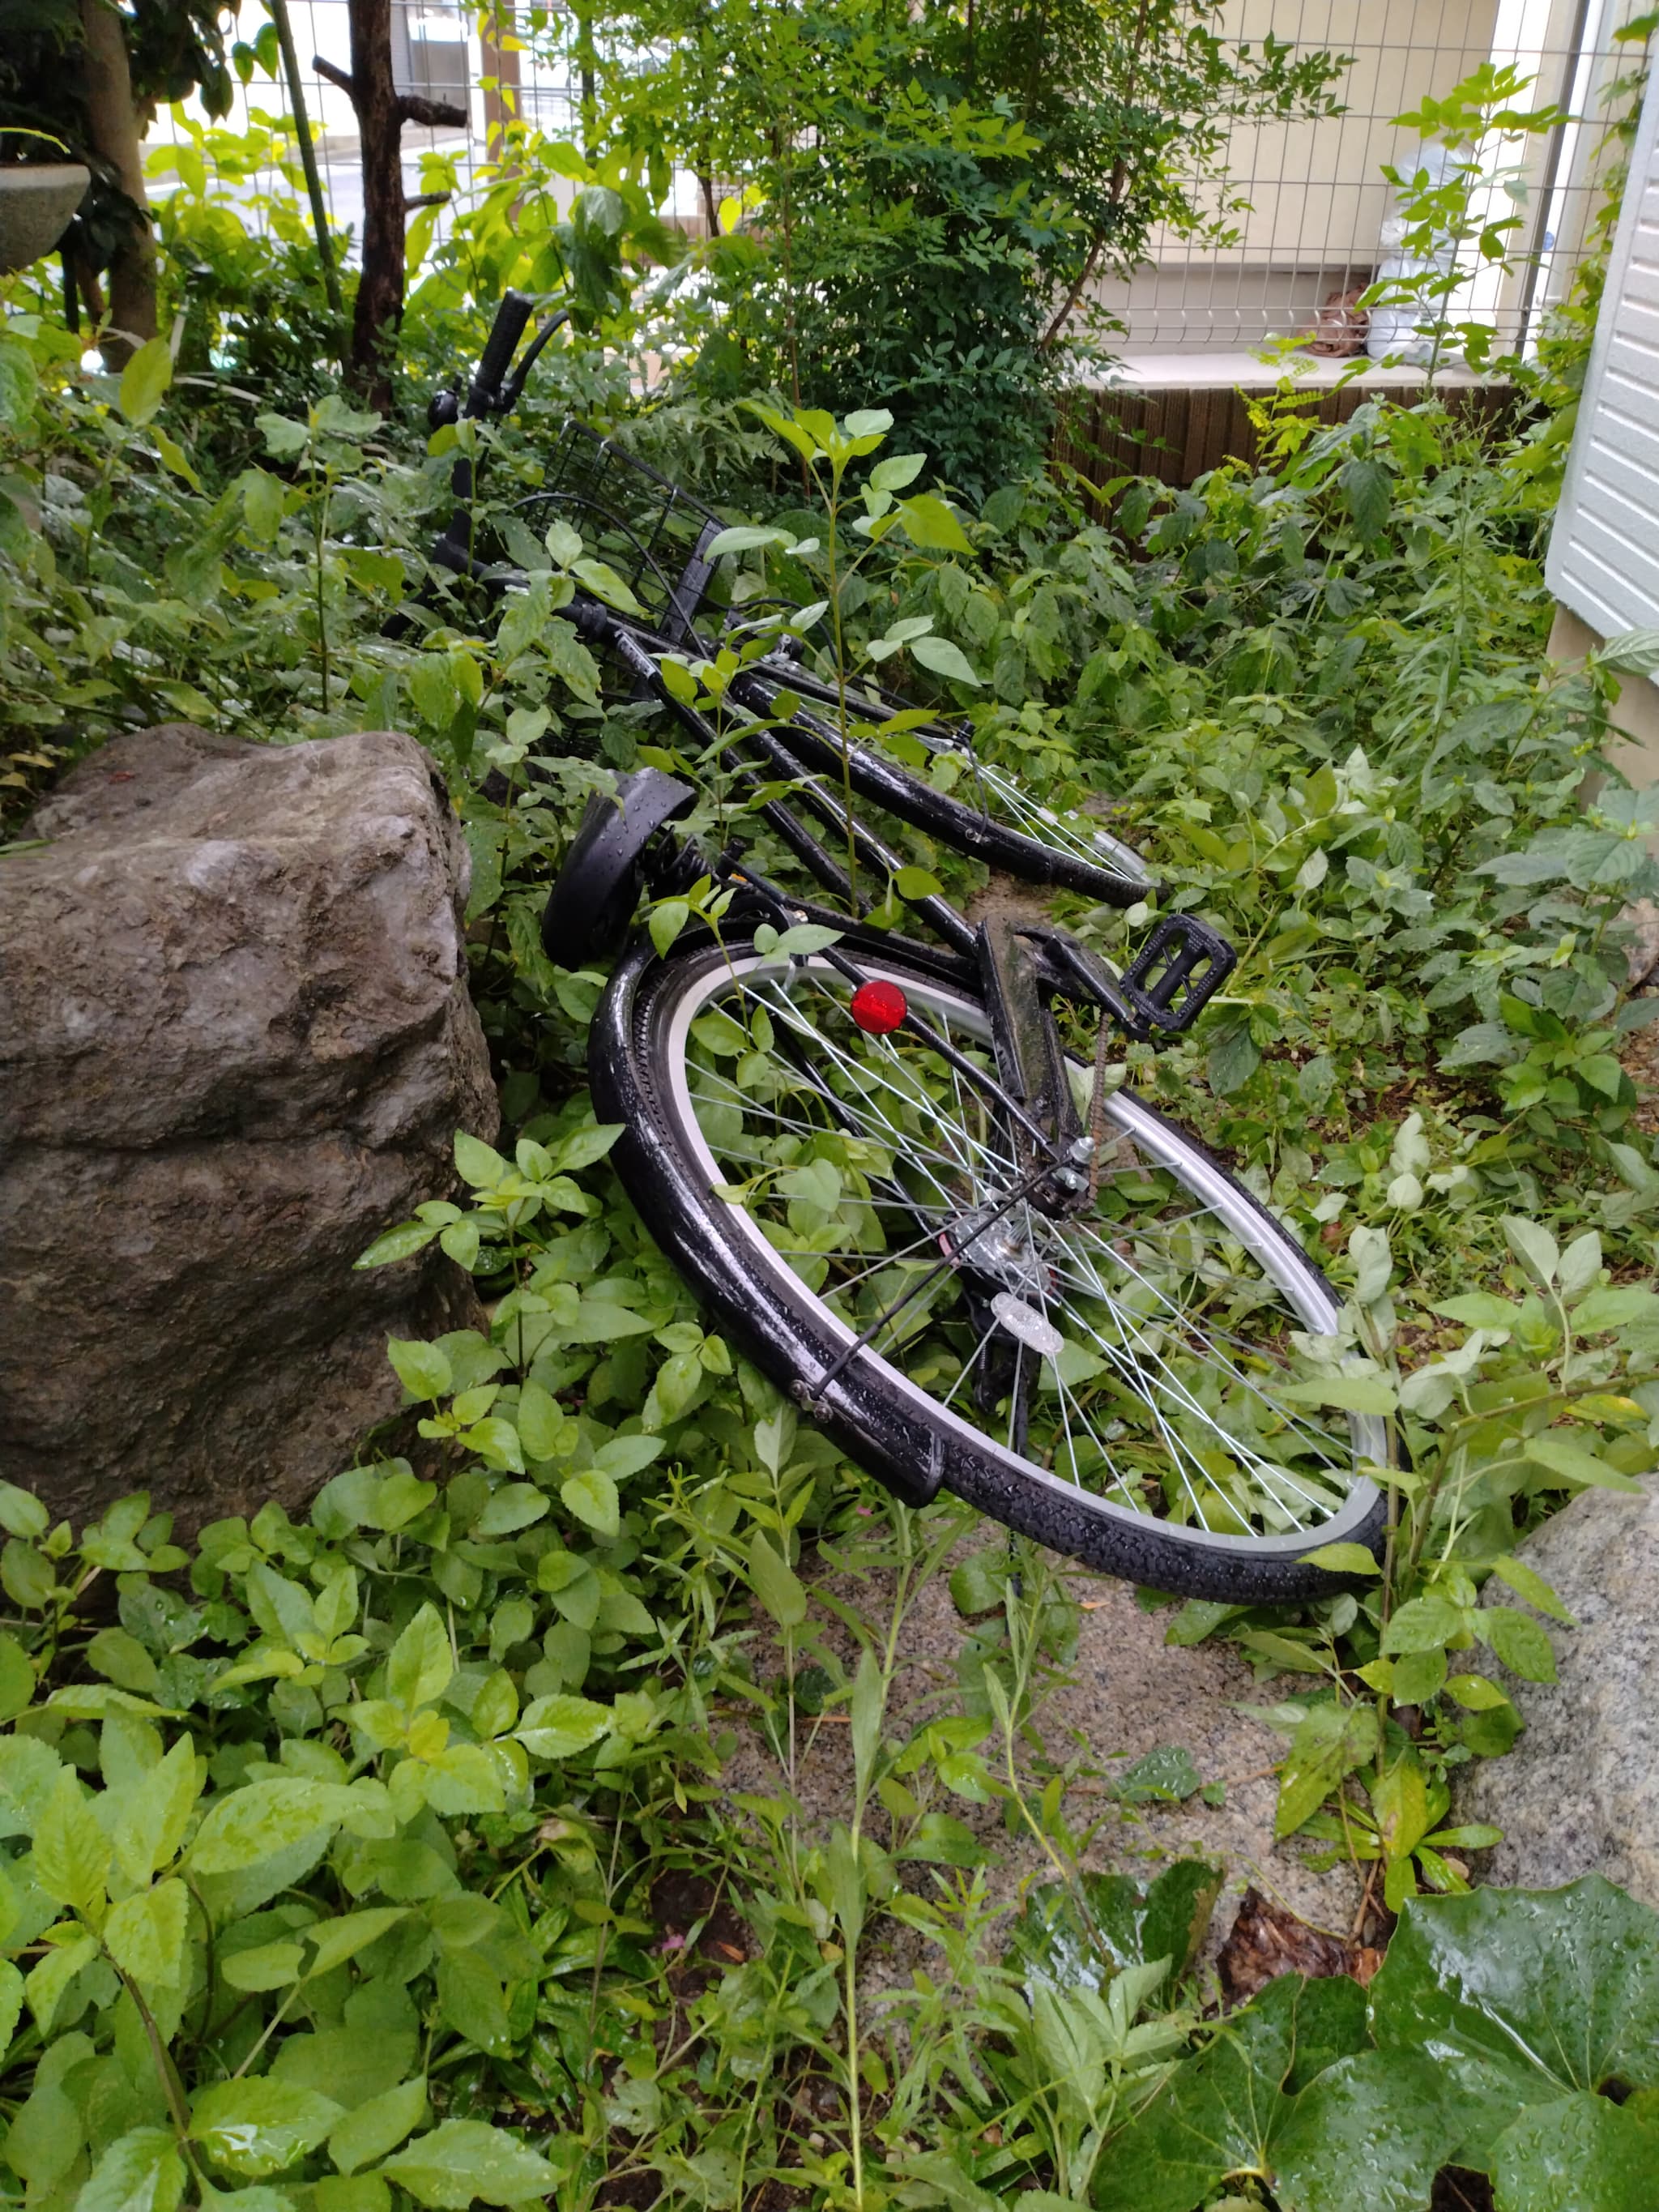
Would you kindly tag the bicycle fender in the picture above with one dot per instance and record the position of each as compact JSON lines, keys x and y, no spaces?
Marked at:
{"x":591,"y":903}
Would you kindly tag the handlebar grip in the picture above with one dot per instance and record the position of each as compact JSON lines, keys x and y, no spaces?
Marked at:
{"x":502,"y":343}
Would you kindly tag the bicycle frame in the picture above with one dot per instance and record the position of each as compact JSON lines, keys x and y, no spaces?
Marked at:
{"x":1022,"y":968}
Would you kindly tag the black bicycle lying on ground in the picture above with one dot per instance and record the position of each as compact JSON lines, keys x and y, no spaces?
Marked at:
{"x":978,"y":1266}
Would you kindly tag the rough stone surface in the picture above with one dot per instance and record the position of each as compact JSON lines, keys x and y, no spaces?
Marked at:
{"x":1579,"y":1794}
{"x":235,"y":1041}
{"x":1127,"y":1692}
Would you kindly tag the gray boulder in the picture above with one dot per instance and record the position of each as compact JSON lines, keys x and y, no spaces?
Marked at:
{"x":1579,"y":1793}
{"x":236,"y":1042}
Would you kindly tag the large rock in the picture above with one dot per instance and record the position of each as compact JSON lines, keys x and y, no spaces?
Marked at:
{"x":235,"y":1041}
{"x":1580,"y":1791}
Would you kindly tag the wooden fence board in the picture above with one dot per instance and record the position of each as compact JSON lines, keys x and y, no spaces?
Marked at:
{"x":1177,"y":433}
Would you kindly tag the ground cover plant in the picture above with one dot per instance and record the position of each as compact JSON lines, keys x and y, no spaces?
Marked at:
{"x":389,"y":1851}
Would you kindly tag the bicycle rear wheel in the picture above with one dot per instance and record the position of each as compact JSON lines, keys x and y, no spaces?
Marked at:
{"x":1111,"y":1384}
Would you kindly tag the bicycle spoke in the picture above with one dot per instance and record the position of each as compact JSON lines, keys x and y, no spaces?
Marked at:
{"x":1157,"y":1386}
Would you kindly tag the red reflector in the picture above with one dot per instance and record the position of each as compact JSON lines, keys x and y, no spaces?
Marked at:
{"x":878,"y":1008}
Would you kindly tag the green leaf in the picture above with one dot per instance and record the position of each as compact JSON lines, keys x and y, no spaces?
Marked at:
{"x":602,"y":579}
{"x":399,"y":1243}
{"x":541,"y":1421}
{"x":123,"y":1660}
{"x":258,"y":2126}
{"x":1519,"y":1641}
{"x":144,"y":380}
{"x":559,"y":1727}
{"x":592,"y":1496}
{"x":516,"y":1505}
{"x":1525,"y":1995}
{"x":349,"y":2192}
{"x":917,"y":884}
{"x":21,"y":1513}
{"x":1232,"y":1059}
{"x":466,"y":2159}
{"x":1374,"y":2130}
{"x":1166,"y":1776}
{"x":44,"y":1988}
{"x":745,"y":537}
{"x":1584,"y":2154}
{"x":776,"y":1584}
{"x":1343,"y":1559}
{"x":284,"y":437}
{"x":1562,"y":1453}
{"x":1480,"y":1309}
{"x":1534,"y":1246}
{"x":1423,"y":1624}
{"x":945,"y":659}
{"x":16,"y":1678}
{"x":1476,"y":1693}
{"x":265,"y":1967}
{"x":378,"y":2127}
{"x":141,"y":2172}
{"x":421,"y":1663}
{"x":11,"y":2004}
{"x":479,"y":1167}
{"x":941,"y":1840}
{"x":334,"y":1942}
{"x":897,"y":471}
{"x":1526,"y":1582}
{"x":254,"y":1823}
{"x":423,"y":1368}
{"x":144,"y":1934}
{"x":928,"y":521}
{"x":665,"y":921}
{"x":1218,"y":2115}
{"x":1353,"y":1394}
{"x":71,"y":1851}
{"x":1329,"y":1742}
{"x":472,"y":2001}
{"x":1368,"y":493}
{"x":1618,"y":1306}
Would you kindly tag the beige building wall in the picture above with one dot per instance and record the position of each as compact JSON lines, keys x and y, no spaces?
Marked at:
{"x":1318,"y":198}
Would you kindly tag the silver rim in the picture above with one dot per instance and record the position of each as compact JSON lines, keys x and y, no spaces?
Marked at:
{"x":1154,"y":1325}
{"x":1072,"y":834}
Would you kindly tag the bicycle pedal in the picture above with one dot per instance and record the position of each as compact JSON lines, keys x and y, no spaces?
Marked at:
{"x":1177,"y":971}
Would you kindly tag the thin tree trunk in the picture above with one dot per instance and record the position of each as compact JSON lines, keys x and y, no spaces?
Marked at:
{"x":381,"y":112}
{"x":112,"y":130}
{"x":380,"y":307}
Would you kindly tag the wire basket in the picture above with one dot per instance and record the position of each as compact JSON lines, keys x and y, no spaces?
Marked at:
{"x":648,"y":530}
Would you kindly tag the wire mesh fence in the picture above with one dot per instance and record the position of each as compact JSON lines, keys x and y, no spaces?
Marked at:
{"x":483,"y":60}
{"x":1317,"y":229}
{"x":1314,"y":232}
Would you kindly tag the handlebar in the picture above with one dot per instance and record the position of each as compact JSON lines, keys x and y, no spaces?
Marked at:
{"x":511,"y":319}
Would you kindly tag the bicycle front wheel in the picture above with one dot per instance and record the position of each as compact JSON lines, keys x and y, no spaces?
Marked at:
{"x":1112,"y":1383}
{"x":988,"y":812}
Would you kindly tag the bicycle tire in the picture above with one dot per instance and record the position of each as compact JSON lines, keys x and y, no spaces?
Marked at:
{"x":877,"y":1414}
{"x":1046,"y":849}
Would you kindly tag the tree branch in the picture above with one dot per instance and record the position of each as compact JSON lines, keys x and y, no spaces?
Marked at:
{"x":1076,"y":293}
{"x":431,"y":114}
{"x":341,"y":77}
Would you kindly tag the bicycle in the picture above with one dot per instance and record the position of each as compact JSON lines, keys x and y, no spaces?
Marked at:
{"x":976,"y":1264}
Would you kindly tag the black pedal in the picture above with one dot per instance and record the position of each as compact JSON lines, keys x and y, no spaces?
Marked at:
{"x":1177,"y":971}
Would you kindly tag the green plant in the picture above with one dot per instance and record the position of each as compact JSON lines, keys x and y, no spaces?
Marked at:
{"x":1504,"y":2034}
{"x":915,"y":204}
